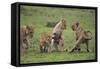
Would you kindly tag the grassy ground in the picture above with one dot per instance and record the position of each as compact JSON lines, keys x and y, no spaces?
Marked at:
{"x":39,"y":17}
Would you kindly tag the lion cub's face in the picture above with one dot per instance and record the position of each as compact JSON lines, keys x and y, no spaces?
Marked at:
{"x":75,"y":26}
{"x":30,"y":31}
{"x":63,"y":23}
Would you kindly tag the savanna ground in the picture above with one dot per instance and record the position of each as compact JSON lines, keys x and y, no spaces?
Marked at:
{"x":39,"y":17}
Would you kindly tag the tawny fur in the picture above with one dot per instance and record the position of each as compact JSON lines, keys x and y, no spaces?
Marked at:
{"x":57,"y":34}
{"x":26,"y":34}
{"x":82,"y":36}
{"x":45,"y":41}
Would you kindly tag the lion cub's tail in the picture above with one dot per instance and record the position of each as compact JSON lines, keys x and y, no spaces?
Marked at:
{"x":88,"y":35}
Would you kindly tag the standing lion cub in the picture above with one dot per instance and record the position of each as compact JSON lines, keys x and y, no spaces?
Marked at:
{"x":26,"y":35}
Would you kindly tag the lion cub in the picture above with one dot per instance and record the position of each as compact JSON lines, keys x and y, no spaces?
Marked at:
{"x":45,"y":41}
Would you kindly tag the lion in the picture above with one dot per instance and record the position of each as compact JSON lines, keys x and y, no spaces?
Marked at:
{"x":26,"y":35}
{"x":45,"y":41}
{"x":57,"y":35}
{"x":82,"y":37}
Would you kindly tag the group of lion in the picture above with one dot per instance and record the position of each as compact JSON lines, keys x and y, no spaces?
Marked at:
{"x":27,"y":32}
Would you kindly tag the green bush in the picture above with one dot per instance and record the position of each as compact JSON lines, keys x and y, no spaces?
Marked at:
{"x":51,"y":24}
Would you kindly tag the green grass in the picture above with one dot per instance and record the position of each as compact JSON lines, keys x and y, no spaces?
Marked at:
{"x":55,"y":57}
{"x":39,"y":17}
